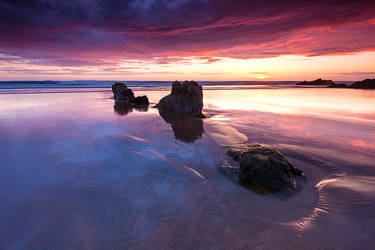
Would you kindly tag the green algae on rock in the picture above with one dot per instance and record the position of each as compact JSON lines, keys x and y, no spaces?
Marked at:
{"x":265,"y":166}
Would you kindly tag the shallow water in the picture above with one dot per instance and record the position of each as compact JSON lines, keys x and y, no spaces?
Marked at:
{"x":78,"y":172}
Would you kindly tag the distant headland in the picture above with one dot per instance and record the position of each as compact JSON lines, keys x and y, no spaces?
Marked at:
{"x":365,"y":84}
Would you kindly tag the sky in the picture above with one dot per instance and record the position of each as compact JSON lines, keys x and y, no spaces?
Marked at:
{"x":187,"y":39}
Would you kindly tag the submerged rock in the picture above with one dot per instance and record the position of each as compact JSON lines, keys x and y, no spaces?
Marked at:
{"x":317,"y":82}
{"x":338,"y":85}
{"x":264,"y":166}
{"x":365,"y":84}
{"x":185,"y":97}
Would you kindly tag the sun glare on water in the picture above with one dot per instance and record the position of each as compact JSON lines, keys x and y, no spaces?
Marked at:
{"x":261,"y":77}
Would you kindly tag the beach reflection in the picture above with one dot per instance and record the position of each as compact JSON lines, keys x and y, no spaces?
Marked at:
{"x":343,"y":104}
{"x":185,"y":128}
{"x":124,"y":108}
{"x":105,"y":176}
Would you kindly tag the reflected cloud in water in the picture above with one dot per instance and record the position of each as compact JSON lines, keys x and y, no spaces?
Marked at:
{"x":185,"y":128}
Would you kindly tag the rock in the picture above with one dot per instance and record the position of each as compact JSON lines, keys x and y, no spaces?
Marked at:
{"x":317,"y":82}
{"x":265,"y":166}
{"x":185,"y":127}
{"x":125,"y":95}
{"x":365,"y":84}
{"x":338,"y":85}
{"x":233,"y":174}
{"x":140,"y":101}
{"x":185,"y":97}
{"x":118,"y":86}
{"x":122,"y":92}
{"x":234,"y":153}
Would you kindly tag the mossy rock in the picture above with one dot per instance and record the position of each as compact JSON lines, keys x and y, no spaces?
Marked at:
{"x":265,"y":166}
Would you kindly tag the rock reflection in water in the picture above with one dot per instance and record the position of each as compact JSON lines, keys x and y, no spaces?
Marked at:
{"x":124,"y":108}
{"x":185,"y":128}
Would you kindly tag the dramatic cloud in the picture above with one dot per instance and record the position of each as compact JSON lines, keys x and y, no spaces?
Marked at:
{"x":104,"y":33}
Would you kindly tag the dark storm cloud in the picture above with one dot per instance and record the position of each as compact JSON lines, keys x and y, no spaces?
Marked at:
{"x":83,"y":32}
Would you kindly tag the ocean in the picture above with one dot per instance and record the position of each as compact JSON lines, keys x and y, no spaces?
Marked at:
{"x":79,"y":171}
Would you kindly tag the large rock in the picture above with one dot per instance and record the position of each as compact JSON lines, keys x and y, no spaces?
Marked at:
{"x":317,"y":82}
{"x":118,"y":86}
{"x":185,"y":97}
{"x":365,"y":84}
{"x":122,"y":93}
{"x":265,"y":166}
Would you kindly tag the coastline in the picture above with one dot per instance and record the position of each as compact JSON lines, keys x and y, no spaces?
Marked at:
{"x":123,"y":179}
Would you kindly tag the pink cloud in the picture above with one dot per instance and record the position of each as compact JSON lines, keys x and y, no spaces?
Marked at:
{"x":104,"y":33}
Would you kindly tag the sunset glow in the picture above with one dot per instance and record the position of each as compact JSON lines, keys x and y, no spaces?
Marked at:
{"x":187,"y":124}
{"x":190,"y":39}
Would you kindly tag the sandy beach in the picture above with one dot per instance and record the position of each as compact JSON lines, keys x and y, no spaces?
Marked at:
{"x":79,"y":172}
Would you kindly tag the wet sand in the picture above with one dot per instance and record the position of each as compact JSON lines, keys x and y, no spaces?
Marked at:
{"x":79,"y":172}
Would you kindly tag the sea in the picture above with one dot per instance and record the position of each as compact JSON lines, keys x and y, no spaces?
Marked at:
{"x":80,"y":171}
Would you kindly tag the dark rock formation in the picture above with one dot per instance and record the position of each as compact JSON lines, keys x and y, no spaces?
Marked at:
{"x":185,"y":127}
{"x":317,"y":82}
{"x":185,"y":97}
{"x":118,"y":86}
{"x":338,"y":85}
{"x":233,"y":173}
{"x":140,"y":101}
{"x":234,"y":153}
{"x":265,"y":166}
{"x":365,"y":84}
{"x":123,"y":94}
